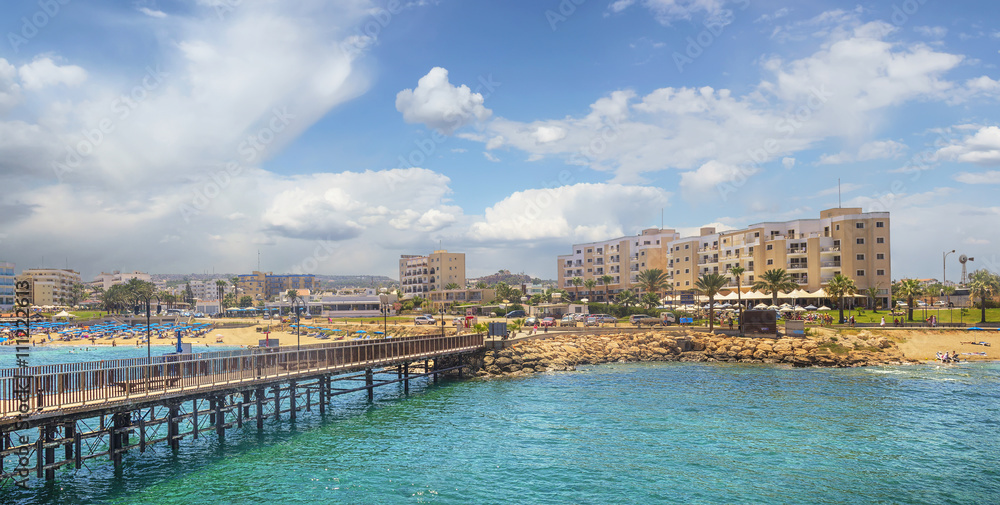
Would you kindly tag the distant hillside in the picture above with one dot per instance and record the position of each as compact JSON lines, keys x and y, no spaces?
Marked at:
{"x":327,"y":282}
{"x":503,"y":276}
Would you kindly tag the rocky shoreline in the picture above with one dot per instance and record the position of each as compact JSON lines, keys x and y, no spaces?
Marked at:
{"x":566,"y":352}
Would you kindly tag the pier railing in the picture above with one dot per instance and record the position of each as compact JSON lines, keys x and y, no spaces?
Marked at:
{"x":83,"y":385}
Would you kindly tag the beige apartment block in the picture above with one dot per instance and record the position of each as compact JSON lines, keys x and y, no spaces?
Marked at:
{"x":445,"y":297}
{"x":847,"y":241}
{"x":419,"y":275}
{"x":50,"y":286}
{"x":620,"y":258}
{"x":266,"y":286}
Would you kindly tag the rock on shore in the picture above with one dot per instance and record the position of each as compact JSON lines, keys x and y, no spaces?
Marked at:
{"x":565,"y":352}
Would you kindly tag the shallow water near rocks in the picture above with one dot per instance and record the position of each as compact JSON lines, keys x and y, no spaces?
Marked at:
{"x":616,"y":433}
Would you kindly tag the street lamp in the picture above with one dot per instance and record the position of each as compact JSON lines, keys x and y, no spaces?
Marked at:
{"x":944,"y":267}
{"x":383,"y":299}
{"x":441,"y":313}
{"x":146,"y":300}
{"x":298,"y":320}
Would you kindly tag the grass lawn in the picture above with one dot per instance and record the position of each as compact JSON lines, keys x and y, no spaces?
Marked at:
{"x":943,"y":315}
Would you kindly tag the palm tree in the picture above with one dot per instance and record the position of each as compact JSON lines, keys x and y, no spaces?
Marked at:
{"x":984,"y":285}
{"x":650,"y":300}
{"x":589,"y":284}
{"x":577,"y":282}
{"x":235,"y":281}
{"x":481,"y":285}
{"x":840,"y":286}
{"x":933,"y":291}
{"x":220,"y":287}
{"x":872,"y":294}
{"x":948,"y":291}
{"x":709,"y":285}
{"x":910,"y":289}
{"x":606,"y":280}
{"x":451,"y":285}
{"x":652,"y":280}
{"x":737,"y":271}
{"x":773,"y":282}
{"x":627,"y":298}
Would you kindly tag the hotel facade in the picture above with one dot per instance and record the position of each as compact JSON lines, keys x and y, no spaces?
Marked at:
{"x":419,"y":275}
{"x":266,"y":286}
{"x":51,"y":286}
{"x":842,"y":241}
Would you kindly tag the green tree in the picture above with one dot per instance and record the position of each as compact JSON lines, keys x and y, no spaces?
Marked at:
{"x":947,"y":292}
{"x":220,"y":288}
{"x":626,"y":299}
{"x":481,"y":285}
{"x":576,"y":282}
{"x":235,"y":281}
{"x":984,"y":285}
{"x":77,"y":292}
{"x":738,"y":271}
{"x":606,"y":280}
{"x":909,"y":289}
{"x":590,"y":284}
{"x":839,"y":287}
{"x":246,"y":301}
{"x":872,"y":294}
{"x":189,"y":295}
{"x":934,"y":291}
{"x":451,"y":285}
{"x":773,"y":282}
{"x":709,"y":285}
{"x":653,"y":280}
{"x":292,"y":294}
{"x":650,"y":300}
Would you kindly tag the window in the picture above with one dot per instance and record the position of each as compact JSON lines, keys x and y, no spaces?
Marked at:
{"x":756,"y":234}
{"x":859,"y":226}
{"x":590,"y":250}
{"x":879,"y":240}
{"x":860,"y":241}
{"x":769,"y":247}
{"x":686,"y":245}
{"x":837,"y":228}
{"x":687,"y":258}
{"x":880,"y":256}
{"x":687,"y":283}
{"x":880,"y":224}
{"x":687,"y":270}
{"x":578,"y":251}
{"x":770,"y":262}
{"x":590,"y":260}
{"x":861,"y":257}
{"x":880,"y":272}
{"x":861,"y":273}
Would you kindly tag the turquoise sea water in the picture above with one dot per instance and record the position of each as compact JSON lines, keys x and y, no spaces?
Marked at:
{"x":621,"y":433}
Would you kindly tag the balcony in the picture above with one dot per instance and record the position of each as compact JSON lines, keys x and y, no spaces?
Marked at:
{"x":798,"y":266}
{"x":830,"y":264}
{"x":796,"y":251}
{"x":831,"y":249}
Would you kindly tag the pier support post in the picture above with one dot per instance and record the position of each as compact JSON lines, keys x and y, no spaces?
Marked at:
{"x":173,"y":431}
{"x":259,"y":403}
{"x":142,"y":434}
{"x":246,"y":405}
{"x":117,"y":424}
{"x":406,"y":380}
{"x":291,"y":400}
{"x":50,"y":451}
{"x":69,"y":431}
{"x":369,"y":384}
{"x":322,"y":395}
{"x":211,"y":411}
{"x":220,"y":418}
{"x":277,"y":402}
{"x":195,"y":419}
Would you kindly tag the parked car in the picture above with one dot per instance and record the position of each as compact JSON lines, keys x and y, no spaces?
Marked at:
{"x":635,"y":317}
{"x":591,"y":321}
{"x":548,"y":321}
{"x":580,"y":317}
{"x":515,"y":314}
{"x":531,"y":321}
{"x":425,"y":319}
{"x":568,"y":320}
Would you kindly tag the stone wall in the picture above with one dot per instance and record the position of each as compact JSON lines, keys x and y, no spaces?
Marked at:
{"x":565,"y":352}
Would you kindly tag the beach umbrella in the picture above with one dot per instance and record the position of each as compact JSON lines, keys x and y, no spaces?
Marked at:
{"x":361,"y":331}
{"x":799,"y":309}
{"x":760,"y":306}
{"x":973,"y":328}
{"x":824,"y":308}
{"x":811,"y":307}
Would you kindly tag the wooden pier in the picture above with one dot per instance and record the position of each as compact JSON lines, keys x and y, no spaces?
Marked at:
{"x":104,"y":409}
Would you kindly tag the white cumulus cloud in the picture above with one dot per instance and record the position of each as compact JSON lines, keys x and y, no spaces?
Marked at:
{"x":441,"y":105}
{"x":44,"y":72}
{"x":982,"y":148}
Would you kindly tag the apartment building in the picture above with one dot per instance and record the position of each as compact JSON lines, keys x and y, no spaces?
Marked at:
{"x":419,"y":275}
{"x":265,"y":286}
{"x":472,"y":296}
{"x":621,"y":258}
{"x":106,"y":280}
{"x":50,"y":286}
{"x":844,"y":241}
{"x":6,"y":286}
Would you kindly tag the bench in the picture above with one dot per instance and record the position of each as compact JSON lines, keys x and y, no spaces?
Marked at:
{"x":153,"y":383}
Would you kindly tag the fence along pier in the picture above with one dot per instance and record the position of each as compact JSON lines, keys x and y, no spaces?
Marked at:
{"x":91,"y":410}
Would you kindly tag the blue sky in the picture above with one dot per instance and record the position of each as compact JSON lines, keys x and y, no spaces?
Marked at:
{"x":333,"y":136}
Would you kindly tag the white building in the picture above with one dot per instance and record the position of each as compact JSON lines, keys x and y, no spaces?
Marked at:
{"x":106,"y":280}
{"x":6,"y":286}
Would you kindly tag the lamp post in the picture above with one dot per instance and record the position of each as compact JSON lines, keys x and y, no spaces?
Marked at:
{"x":146,"y":300}
{"x":298,"y":320}
{"x":441,"y":313}
{"x":383,"y":299}
{"x":944,"y":267}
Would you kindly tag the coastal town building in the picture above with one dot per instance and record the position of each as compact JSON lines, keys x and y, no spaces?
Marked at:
{"x":466,"y":296}
{"x":266,"y":286}
{"x":106,"y":280}
{"x":6,"y":286}
{"x":363,"y":303}
{"x":50,"y":286}
{"x":844,"y":241}
{"x":419,"y":275}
